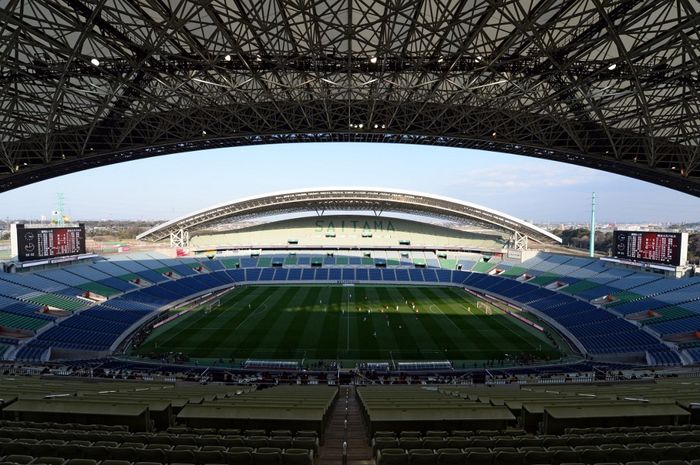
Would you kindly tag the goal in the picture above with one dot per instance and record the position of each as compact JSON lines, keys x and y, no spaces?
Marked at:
{"x":485,"y":307}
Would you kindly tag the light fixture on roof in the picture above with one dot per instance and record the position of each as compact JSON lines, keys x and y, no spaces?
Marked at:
{"x":612,"y":66}
{"x":383,"y":126}
{"x":376,"y":126}
{"x":373,"y":60}
{"x":204,"y":133}
{"x":95,"y":62}
{"x":478,"y":58}
{"x":493,"y":134}
{"x":361,"y":125}
{"x":258,"y":58}
{"x":227,"y":58}
{"x":440,"y":59}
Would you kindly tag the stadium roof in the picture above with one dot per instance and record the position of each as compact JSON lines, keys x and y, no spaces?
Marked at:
{"x":377,"y":200}
{"x":613,"y":85}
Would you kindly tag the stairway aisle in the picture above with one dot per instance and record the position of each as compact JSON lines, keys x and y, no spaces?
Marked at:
{"x":359,"y":450}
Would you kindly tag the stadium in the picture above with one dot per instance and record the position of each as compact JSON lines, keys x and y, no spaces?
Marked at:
{"x":349,"y":324}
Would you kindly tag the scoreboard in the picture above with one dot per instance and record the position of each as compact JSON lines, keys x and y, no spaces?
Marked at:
{"x":38,"y":243}
{"x":666,"y":248}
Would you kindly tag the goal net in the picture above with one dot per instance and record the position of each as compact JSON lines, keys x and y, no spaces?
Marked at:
{"x":486,"y":308}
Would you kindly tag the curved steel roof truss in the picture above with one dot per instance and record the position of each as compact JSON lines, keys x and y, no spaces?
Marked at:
{"x":613,"y":85}
{"x":353,"y":199}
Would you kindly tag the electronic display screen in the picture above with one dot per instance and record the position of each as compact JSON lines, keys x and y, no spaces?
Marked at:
{"x":42,"y":243}
{"x":654,"y":247}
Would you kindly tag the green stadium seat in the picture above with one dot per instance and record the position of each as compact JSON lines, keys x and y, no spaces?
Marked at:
{"x":229,"y":432}
{"x":564,"y":456}
{"x":204,"y":457}
{"x":306,"y":443}
{"x":297,"y":457}
{"x":392,"y":457}
{"x":434,"y":443}
{"x":232,"y":441}
{"x":115,"y":462}
{"x":421,"y":457}
{"x":256,"y":441}
{"x":648,"y":454}
{"x":68,"y":451}
{"x":53,"y":442}
{"x":450,"y":456}
{"x":81,"y":462}
{"x":410,"y":434}
{"x":255,"y":432}
{"x":151,"y":455}
{"x":283,"y":442}
{"x":122,"y":453}
{"x":208,"y":440}
{"x":267,"y":456}
{"x":508,"y":458}
{"x":280,"y":432}
{"x":180,"y":456}
{"x":134,"y":445}
{"x":383,"y":434}
{"x":18,"y":458}
{"x":307,"y":434}
{"x":671,"y":462}
{"x":479,"y":458}
{"x":106,"y":444}
{"x":186,"y":447}
{"x":96,"y":452}
{"x":435,"y":433}
{"x":410,"y":443}
{"x":214,"y":449}
{"x":159,"y":446}
{"x":238,"y":456}
{"x":673,"y":453}
{"x":458,"y":442}
{"x":535,"y":457}
{"x":622,"y":454}
{"x":48,"y":461}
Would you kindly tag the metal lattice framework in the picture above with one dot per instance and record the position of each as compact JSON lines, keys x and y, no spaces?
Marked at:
{"x":609,"y":84}
{"x":321,"y":200}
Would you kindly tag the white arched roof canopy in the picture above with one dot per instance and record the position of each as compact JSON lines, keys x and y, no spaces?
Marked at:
{"x":377,"y":200}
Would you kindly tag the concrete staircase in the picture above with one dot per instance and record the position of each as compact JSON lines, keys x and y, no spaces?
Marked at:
{"x":359,"y":451}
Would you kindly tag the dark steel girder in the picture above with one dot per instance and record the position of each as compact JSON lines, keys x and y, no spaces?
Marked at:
{"x":468,"y":127}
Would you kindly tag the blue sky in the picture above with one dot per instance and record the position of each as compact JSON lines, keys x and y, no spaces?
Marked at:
{"x":168,"y":186}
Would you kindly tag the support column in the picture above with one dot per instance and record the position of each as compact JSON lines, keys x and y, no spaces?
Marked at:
{"x":180,"y":238}
{"x":518,"y":241}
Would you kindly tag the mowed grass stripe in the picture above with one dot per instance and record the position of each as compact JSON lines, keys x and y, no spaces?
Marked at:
{"x":385,"y":340}
{"x":508,"y":331}
{"x":368,"y":331}
{"x":473,"y":327}
{"x":290,"y":326}
{"x":311,"y":332}
{"x":225,"y":329}
{"x":312,"y":322}
{"x":434,"y":338}
{"x":327,"y":344}
{"x":411,"y":327}
{"x":278,"y":301}
{"x":181,"y":332}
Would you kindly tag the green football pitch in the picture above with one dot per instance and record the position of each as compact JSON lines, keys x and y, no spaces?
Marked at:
{"x":357,"y":323}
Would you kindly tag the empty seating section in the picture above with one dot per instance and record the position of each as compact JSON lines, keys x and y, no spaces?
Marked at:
{"x":642,"y":423}
{"x":581,"y":295}
{"x":151,"y":422}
